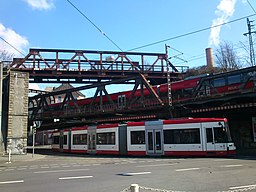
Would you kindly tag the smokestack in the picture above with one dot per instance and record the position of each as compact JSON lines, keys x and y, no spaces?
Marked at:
{"x":209,"y":58}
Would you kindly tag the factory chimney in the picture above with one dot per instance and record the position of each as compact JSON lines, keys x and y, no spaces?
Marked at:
{"x":209,"y":58}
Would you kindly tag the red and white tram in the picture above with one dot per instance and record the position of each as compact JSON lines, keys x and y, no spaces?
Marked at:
{"x":179,"y":137}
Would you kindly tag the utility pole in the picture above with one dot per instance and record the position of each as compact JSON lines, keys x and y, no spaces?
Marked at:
{"x":249,"y":33}
{"x":168,"y":76}
{"x":1,"y":94}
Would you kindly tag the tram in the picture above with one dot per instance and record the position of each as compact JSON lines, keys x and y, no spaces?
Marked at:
{"x":177,"y":137}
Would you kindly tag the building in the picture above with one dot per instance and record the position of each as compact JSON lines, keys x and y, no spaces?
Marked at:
{"x":64,"y":86}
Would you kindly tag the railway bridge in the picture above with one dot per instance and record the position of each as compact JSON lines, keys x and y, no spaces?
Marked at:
{"x":159,"y":91}
{"x":95,"y":69}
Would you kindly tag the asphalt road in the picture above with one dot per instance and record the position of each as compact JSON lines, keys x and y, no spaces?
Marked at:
{"x":60,"y":173}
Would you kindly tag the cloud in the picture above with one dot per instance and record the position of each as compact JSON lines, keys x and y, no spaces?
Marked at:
{"x":224,"y":11}
{"x":40,"y":4}
{"x":19,"y":42}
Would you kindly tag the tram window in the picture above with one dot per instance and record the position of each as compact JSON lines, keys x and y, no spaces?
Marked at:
{"x":106,"y":138}
{"x":220,"y":135}
{"x":209,"y":135}
{"x":65,"y":140}
{"x":56,"y":139}
{"x":219,"y":82}
{"x":137,"y":137}
{"x":234,"y":79}
{"x":182,"y":136}
{"x":79,"y":139}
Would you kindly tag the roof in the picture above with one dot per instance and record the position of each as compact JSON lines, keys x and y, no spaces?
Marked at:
{"x":65,"y":86}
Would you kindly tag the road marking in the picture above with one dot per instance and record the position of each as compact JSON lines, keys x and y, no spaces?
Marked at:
{"x":239,"y":187}
{"x":21,"y":169}
{"x":158,"y":165}
{"x":138,"y":173}
{"x":231,"y":166}
{"x":9,"y":170}
{"x":10,"y":182}
{"x":55,"y":166}
{"x":79,"y":177}
{"x":188,"y":169}
{"x":33,"y":168}
{"x":56,"y":171}
{"x":223,"y":159}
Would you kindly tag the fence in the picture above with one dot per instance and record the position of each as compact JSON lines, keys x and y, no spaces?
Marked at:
{"x":136,"y":188}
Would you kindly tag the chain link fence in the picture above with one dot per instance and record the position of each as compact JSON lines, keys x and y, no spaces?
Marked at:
{"x":137,"y":188}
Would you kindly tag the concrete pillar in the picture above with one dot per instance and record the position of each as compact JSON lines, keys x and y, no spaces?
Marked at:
{"x":134,"y":188}
{"x":17,"y":116}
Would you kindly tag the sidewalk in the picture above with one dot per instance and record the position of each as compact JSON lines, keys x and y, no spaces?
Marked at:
{"x":20,"y":158}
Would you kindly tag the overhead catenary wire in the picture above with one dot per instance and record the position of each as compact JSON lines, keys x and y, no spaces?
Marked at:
{"x":202,"y":56}
{"x":251,"y":6}
{"x":76,"y":8}
{"x":12,"y":46}
{"x":190,"y":33}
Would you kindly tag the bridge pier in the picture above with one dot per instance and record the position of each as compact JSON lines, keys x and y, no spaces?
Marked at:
{"x":14,"y":116}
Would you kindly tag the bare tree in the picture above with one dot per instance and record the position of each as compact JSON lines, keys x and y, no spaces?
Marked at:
{"x":246,"y":53}
{"x":226,"y":57}
{"x":5,"y":55}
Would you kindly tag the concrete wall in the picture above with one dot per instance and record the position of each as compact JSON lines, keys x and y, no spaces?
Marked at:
{"x":15,"y":112}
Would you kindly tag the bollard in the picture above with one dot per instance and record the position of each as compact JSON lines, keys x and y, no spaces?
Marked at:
{"x":134,"y":188}
{"x":9,"y":156}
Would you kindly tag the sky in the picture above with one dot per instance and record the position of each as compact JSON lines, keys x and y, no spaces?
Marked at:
{"x":130,"y":24}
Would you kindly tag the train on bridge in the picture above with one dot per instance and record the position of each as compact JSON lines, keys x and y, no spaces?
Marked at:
{"x":177,"y":137}
{"x":228,"y":85}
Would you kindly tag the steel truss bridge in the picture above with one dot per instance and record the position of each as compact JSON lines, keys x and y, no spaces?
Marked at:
{"x":96,"y":69}
{"x":87,"y":66}
{"x":69,"y":66}
{"x":153,"y":106}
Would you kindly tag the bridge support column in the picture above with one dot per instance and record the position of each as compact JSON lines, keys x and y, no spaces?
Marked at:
{"x":1,"y":130}
{"x":15,"y":112}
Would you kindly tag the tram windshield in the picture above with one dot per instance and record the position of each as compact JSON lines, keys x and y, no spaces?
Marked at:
{"x":222,"y":134}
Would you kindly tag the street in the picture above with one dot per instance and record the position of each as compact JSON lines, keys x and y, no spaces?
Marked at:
{"x":72,"y":173}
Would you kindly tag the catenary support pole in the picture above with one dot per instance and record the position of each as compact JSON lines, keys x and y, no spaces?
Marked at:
{"x":1,"y":91}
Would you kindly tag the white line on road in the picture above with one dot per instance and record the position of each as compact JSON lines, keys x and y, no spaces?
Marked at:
{"x":223,"y":160}
{"x":245,"y":186}
{"x":56,"y":171}
{"x":19,"y":169}
{"x":9,"y":169}
{"x":79,"y":177}
{"x":10,"y":182}
{"x":138,"y":173}
{"x":231,"y":165}
{"x":188,"y":169}
{"x":157,"y":165}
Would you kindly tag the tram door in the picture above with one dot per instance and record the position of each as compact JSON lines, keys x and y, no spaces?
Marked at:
{"x":61,"y":140}
{"x":91,"y":140}
{"x":154,"y":137}
{"x":216,"y":139}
